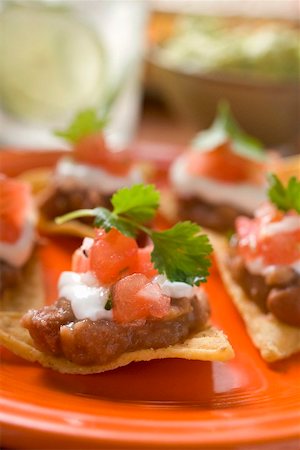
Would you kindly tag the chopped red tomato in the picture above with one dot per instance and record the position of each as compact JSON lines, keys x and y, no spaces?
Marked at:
{"x":144,"y":264}
{"x":112,"y":256}
{"x":283,"y":248}
{"x":224,"y":165}
{"x":267,"y":213}
{"x":155,"y":302}
{"x":276,"y":248}
{"x":15,"y":199}
{"x":80,"y":261}
{"x":134,"y":298}
{"x":92,"y":150}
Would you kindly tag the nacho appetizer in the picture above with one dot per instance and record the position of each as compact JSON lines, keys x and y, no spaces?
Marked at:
{"x":121,"y":303}
{"x":261,"y":269}
{"x":87,"y":177}
{"x":221,"y":175}
{"x":20,"y":282}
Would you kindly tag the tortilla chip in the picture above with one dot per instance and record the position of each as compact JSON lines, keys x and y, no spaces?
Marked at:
{"x":37,"y":178}
{"x":274,"y":339}
{"x":169,"y":205}
{"x":285,"y":168}
{"x":29,"y":292}
{"x":72,"y":228}
{"x":208,"y":345}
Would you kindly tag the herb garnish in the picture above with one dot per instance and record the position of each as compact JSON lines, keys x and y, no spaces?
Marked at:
{"x":84,"y":124}
{"x":181,"y":252}
{"x":224,"y":129}
{"x":285,"y":198}
{"x":108,"y":305}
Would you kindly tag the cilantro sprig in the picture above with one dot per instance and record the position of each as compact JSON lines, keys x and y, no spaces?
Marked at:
{"x":84,"y":124}
{"x":224,"y":129}
{"x":92,"y":120}
{"x":284,"y":198}
{"x":181,"y":252}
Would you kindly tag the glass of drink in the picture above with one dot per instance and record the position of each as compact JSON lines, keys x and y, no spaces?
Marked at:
{"x":61,"y":57}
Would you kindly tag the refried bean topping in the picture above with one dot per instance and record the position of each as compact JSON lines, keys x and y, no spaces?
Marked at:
{"x":55,"y":330}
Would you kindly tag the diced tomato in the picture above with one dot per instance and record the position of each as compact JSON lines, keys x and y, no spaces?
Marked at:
{"x":247,"y":232}
{"x":135,"y":298}
{"x":80,"y":261}
{"x":92,"y":150}
{"x":267,"y":212}
{"x":224,"y":165}
{"x":253,"y":242}
{"x":112,"y":256}
{"x":15,"y":200}
{"x":144,"y":264}
{"x":155,"y":302}
{"x":283,"y":248}
{"x":245,"y":226}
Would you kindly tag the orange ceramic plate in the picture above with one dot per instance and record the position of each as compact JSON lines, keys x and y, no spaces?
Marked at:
{"x":244,"y":403}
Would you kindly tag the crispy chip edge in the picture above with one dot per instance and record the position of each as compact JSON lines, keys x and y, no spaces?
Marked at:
{"x":210,"y":344}
{"x":29,"y":293}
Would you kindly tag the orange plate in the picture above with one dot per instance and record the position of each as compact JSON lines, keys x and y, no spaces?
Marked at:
{"x":244,"y":404}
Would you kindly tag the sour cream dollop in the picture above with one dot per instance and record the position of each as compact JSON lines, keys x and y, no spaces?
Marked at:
{"x":87,"y":297}
{"x":244,"y":196}
{"x":95,"y":177}
{"x":174,"y":289}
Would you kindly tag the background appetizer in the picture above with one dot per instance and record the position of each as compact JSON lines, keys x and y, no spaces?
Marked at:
{"x":20,"y":281}
{"x":121,"y":303}
{"x":220,"y":176}
{"x":261,"y":269}
{"x":88,"y":176}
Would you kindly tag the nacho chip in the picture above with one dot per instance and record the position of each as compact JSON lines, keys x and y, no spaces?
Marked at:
{"x":72,"y":228}
{"x":208,"y":345}
{"x":37,"y":178}
{"x":274,"y":339}
{"x":285,"y":168}
{"x":29,"y":292}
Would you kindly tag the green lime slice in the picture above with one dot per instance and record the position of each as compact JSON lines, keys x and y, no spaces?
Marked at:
{"x":52,"y":64}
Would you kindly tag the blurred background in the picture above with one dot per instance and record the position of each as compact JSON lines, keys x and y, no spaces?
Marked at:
{"x":159,"y":67}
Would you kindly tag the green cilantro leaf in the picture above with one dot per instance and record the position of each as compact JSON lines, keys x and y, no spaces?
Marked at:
{"x":85,"y":123}
{"x":182,"y":253}
{"x":224,"y":129}
{"x":108,"y":220}
{"x":285,"y":198}
{"x":138,"y":202}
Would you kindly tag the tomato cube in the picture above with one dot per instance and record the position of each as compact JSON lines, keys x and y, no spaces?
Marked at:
{"x":112,"y":256}
{"x":135,"y":298}
{"x":144,"y":264}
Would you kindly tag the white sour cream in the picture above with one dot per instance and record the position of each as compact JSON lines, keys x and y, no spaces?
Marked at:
{"x":287,"y":225}
{"x":105,"y":182}
{"x":87,"y":297}
{"x":174,"y":289}
{"x":257,"y":266}
{"x":17,"y":253}
{"x":244,"y":196}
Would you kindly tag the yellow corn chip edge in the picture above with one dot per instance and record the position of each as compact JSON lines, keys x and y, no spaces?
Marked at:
{"x":274,"y":339}
{"x":39,"y":180}
{"x":208,"y":345}
{"x":29,"y":293}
